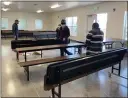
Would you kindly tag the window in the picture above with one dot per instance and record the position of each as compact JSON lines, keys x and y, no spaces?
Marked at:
{"x":125,"y":28}
{"x":22,"y":24}
{"x":38,"y":24}
{"x":72,"y":24}
{"x":4,"y":23}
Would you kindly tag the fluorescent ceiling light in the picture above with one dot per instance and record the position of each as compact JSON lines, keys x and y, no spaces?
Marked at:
{"x":5,"y":9}
{"x":39,"y":11}
{"x":7,"y":3}
{"x":55,"y":6}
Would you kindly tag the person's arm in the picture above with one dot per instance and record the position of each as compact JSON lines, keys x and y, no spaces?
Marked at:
{"x":88,"y":38}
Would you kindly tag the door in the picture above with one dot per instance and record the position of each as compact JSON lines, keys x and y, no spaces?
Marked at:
{"x":90,"y":20}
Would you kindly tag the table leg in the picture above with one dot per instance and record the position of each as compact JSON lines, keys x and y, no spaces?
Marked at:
{"x":25,"y":57}
{"x":80,"y":50}
{"x":122,"y":43}
{"x":119,"y":68}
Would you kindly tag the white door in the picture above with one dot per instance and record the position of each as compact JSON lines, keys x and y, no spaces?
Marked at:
{"x":90,"y":20}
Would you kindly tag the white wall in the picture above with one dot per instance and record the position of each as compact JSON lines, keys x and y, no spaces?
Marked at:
{"x":51,"y":20}
{"x":115,"y":19}
{"x":30,"y":17}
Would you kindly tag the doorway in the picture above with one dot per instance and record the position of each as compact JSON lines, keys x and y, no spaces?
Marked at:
{"x":100,"y":18}
{"x":90,"y":20}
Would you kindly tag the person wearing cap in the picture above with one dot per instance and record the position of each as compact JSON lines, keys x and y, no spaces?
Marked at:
{"x":94,"y":40}
{"x":58,"y":31}
{"x":15,"y":29}
{"x":64,"y":36}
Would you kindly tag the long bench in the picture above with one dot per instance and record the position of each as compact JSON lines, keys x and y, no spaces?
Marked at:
{"x":63,"y":72}
{"x":47,"y":47}
{"x":44,"y":34}
{"x":27,"y":33}
{"x":30,"y":43}
{"x":22,"y":33}
{"x":28,"y":64}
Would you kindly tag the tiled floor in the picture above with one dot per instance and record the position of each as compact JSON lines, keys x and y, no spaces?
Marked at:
{"x":14,"y":82}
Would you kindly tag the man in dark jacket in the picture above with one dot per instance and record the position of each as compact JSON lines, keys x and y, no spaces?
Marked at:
{"x":15,"y":29}
{"x":64,"y":36}
{"x":58,"y":31}
{"x":94,"y":40}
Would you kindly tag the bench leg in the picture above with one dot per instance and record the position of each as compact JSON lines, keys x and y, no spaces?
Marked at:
{"x":17,"y":56}
{"x":122,"y":43}
{"x":112,"y":68}
{"x":58,"y":94}
{"x":25,"y":57}
{"x":26,"y":69}
{"x":59,"y":90}
{"x":53,"y":95}
{"x":41,"y":53}
{"x":119,"y":69}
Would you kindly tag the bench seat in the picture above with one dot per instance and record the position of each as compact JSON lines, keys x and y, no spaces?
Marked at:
{"x":63,"y":72}
{"x":27,"y":64}
{"x":47,"y":60}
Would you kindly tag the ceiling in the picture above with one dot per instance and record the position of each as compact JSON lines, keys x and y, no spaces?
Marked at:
{"x":30,"y":6}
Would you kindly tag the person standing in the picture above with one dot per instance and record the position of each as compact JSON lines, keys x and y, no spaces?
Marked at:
{"x":15,"y":29}
{"x":94,"y":40}
{"x":64,"y":36}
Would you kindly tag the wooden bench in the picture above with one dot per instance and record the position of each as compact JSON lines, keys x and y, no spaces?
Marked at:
{"x":31,"y":43}
{"x":44,"y":34}
{"x":63,"y":72}
{"x":27,"y":33}
{"x":47,"y":47}
{"x":22,"y":33}
{"x":27,"y":64}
